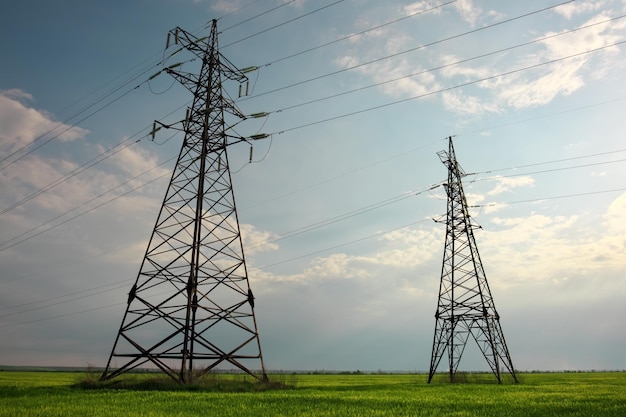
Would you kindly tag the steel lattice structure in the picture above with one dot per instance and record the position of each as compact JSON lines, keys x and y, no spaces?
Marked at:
{"x":465,"y":307}
{"x":191,"y":309}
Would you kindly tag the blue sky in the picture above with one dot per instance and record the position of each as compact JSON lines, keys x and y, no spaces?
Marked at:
{"x":342,"y":253}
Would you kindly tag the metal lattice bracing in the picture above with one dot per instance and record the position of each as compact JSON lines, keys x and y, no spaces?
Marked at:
{"x":465,"y":307}
{"x":191,"y":309}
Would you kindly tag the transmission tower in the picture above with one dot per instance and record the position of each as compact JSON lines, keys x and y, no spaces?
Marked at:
{"x":191,"y":309}
{"x":465,"y":307}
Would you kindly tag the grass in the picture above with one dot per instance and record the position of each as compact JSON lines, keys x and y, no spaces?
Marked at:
{"x":553,"y":394}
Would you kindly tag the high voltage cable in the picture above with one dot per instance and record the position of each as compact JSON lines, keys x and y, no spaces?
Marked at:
{"x":236,"y":11}
{"x":532,"y":200}
{"x":78,"y":170}
{"x":445,"y":65}
{"x":64,"y":301}
{"x":545,"y":170}
{"x":91,"y":114}
{"x":30,"y":151}
{"x":407,"y":51}
{"x":317,"y":252}
{"x":61,"y":315}
{"x":342,"y":245}
{"x":7,"y":245}
{"x":446,"y":89}
{"x":92,"y":104}
{"x":283,"y":23}
{"x":62,"y":296}
{"x":439,"y":91}
{"x":347,"y":215}
{"x":137,"y":76}
{"x":99,"y":158}
{"x":500,"y":75}
{"x":357,"y":34}
{"x":261,"y":268}
{"x":543,"y":116}
{"x":551,"y":162}
{"x":258,"y":15}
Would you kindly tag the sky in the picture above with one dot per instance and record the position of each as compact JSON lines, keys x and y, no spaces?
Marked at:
{"x":337,"y":205}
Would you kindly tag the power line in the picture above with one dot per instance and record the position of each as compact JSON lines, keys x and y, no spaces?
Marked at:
{"x":23,"y":238}
{"x":125,"y":285}
{"x":237,"y":11}
{"x":76,"y":171}
{"x":447,"y":88}
{"x":69,"y":127}
{"x":451,"y":64}
{"x":258,"y":15}
{"x":556,"y":161}
{"x":61,"y":180}
{"x":347,"y":215}
{"x":61,"y":315}
{"x":615,"y":190}
{"x":341,"y":245}
{"x":546,"y":170}
{"x":379,"y":204}
{"x":423,"y":95}
{"x":283,"y":23}
{"x":99,"y":158}
{"x":423,"y":46}
{"x":336,"y":247}
{"x":94,"y":103}
{"x":357,"y":34}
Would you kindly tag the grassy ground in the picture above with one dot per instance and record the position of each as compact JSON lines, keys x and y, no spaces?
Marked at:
{"x":554,"y":394}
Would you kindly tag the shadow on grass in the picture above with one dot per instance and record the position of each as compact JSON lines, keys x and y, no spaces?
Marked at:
{"x":212,"y":382}
{"x":474,"y":378}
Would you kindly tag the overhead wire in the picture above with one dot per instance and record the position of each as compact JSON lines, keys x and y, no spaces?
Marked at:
{"x":341,"y":245}
{"x":237,"y":10}
{"x":450,"y":64}
{"x":379,"y":83}
{"x":581,"y":193}
{"x":69,"y":127}
{"x":66,"y":122}
{"x":287,"y":3}
{"x":449,"y":88}
{"x":432,"y":8}
{"x":533,"y":200}
{"x":546,"y":171}
{"x":23,"y":237}
{"x":442,"y":90}
{"x":332,"y":220}
{"x":422,"y":46}
{"x":283,"y":23}
{"x":317,"y":252}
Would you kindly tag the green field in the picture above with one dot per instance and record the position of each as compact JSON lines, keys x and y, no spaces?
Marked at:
{"x":539,"y":394}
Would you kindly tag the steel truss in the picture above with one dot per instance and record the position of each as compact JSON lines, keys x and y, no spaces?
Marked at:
{"x":465,"y":307}
{"x":191,"y":309}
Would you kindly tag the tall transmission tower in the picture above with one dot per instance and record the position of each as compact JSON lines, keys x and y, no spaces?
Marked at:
{"x":191,"y":309}
{"x":465,"y":307}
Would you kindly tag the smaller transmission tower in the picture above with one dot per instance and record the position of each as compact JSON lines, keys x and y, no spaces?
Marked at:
{"x":465,"y":307}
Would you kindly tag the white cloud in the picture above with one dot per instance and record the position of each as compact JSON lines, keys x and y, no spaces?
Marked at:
{"x":523,"y":89}
{"x":421,"y":6}
{"x":232,"y":6}
{"x":21,"y":125}
{"x":546,"y":248}
{"x":506,"y":184}
{"x":615,"y":217}
{"x":255,"y":240}
{"x":571,"y":9}
{"x":468,"y":11}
